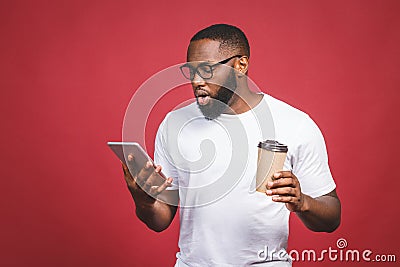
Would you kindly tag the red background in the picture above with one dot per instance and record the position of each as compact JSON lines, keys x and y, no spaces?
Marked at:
{"x":69,"y":68}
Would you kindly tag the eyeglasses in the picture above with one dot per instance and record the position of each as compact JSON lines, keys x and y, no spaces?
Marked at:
{"x":205,"y":70}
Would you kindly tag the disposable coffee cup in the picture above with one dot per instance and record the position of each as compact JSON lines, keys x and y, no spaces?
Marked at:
{"x":271,"y":157}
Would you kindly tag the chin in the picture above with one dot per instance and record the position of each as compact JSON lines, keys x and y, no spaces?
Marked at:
{"x":213,"y":109}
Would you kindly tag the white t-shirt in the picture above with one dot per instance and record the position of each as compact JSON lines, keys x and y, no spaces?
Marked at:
{"x":223,"y":221}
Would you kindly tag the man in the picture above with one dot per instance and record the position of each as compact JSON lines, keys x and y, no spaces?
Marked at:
{"x":208,"y":150}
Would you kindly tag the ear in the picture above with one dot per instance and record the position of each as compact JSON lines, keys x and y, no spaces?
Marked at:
{"x":242,"y":65}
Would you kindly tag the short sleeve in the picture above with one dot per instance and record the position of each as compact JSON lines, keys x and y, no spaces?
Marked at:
{"x":310,"y":161}
{"x":161,"y":156}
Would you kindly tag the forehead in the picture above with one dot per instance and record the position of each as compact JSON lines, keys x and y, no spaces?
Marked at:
{"x":204,"y":50}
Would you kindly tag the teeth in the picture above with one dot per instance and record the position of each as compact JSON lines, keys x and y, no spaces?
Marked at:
{"x":201,"y":94}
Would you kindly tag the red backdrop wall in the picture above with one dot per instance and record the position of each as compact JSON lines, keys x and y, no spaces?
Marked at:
{"x":69,"y":68}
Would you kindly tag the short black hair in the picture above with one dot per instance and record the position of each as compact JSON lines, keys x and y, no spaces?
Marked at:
{"x":231,"y":38}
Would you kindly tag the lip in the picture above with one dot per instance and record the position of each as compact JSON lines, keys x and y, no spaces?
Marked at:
{"x":201,"y":93}
{"x":203,"y":97}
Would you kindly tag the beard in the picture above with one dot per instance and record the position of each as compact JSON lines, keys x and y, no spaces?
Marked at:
{"x":219,"y":103}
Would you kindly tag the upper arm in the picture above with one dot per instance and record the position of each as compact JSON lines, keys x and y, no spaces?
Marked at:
{"x":333,"y":199}
{"x":309,"y":160}
{"x":332,"y":194}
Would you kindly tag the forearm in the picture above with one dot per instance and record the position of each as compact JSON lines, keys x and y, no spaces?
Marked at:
{"x":151,"y":207}
{"x":321,"y":214}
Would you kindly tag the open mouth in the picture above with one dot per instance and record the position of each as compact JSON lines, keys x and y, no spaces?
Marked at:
{"x":202,"y":97}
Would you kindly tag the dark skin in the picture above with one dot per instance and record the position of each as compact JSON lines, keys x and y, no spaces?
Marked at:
{"x":208,"y":50}
{"x":151,"y":201}
{"x":321,"y":214}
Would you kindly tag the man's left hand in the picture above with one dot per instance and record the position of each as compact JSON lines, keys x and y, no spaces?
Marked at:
{"x":285,"y":188}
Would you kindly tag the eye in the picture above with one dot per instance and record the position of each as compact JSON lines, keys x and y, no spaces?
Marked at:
{"x":206,"y":69}
{"x":187,"y":71}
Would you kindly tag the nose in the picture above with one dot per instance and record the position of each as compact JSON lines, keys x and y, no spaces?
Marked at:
{"x":197,"y":80}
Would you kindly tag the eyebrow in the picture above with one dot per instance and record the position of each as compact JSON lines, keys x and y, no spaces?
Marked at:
{"x":216,"y":62}
{"x":201,"y":63}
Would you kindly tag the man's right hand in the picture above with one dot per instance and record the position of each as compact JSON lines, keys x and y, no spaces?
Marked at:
{"x":155,"y":206}
{"x":144,"y":183}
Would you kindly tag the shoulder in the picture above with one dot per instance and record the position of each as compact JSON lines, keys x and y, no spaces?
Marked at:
{"x":292,"y":125}
{"x":283,"y":111}
{"x":286,"y":117}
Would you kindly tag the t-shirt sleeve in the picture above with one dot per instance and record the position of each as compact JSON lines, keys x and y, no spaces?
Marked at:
{"x":310,"y":161}
{"x":161,"y":156}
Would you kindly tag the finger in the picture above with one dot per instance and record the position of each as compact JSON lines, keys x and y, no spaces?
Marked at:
{"x":284,"y":199}
{"x":130,"y":161}
{"x":283,"y":182}
{"x":284,"y":191}
{"x":130,"y":181}
{"x":144,"y":173}
{"x":282,"y":174}
{"x":124,"y":168}
{"x":149,"y":181}
{"x":156,"y":190}
{"x":156,"y":178}
{"x":127,"y":174}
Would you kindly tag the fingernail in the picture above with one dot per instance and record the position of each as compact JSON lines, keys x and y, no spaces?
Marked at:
{"x":148,"y":164}
{"x":270,"y":184}
{"x":277,"y":174}
{"x":269,"y":192}
{"x":276,"y":198}
{"x":130,"y":157}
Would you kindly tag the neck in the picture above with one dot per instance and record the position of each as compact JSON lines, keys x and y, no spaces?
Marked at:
{"x":243,"y":100}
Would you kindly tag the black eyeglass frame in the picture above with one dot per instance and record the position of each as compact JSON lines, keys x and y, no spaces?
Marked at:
{"x":193,"y":71}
